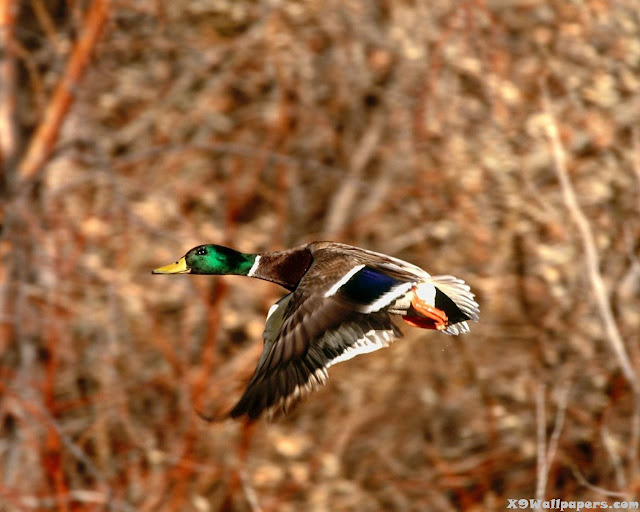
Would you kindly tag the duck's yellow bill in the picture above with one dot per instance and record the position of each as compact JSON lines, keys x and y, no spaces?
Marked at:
{"x":179,"y":267}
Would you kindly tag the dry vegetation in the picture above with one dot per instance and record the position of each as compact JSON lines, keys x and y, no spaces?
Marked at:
{"x":495,"y":140}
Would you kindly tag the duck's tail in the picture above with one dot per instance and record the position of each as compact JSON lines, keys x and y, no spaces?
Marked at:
{"x":444,"y":303}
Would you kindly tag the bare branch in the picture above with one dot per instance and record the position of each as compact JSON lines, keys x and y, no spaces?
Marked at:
{"x":635,"y":139}
{"x":547,"y":451}
{"x":607,"y":492}
{"x":616,"y":460}
{"x":46,"y":135}
{"x":340,"y":207}
{"x":589,"y":245}
{"x":542,"y":461}
{"x":635,"y":438}
{"x":8,"y":129}
{"x":563,"y":400}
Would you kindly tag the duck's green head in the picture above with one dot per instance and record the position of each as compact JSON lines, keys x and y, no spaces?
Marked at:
{"x":210,"y":259}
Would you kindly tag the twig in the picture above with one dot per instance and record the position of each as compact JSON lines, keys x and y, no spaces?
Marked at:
{"x":635,"y":439}
{"x":34,"y":73}
{"x":542,"y":462}
{"x":616,"y":460}
{"x":635,"y":139}
{"x":547,"y":451}
{"x":46,"y":135}
{"x":249,"y":491}
{"x":247,"y":431}
{"x":559,"y":423}
{"x":581,"y":478}
{"x":589,"y":246}
{"x":8,"y":129}
{"x":74,"y":496}
{"x":38,"y":412}
{"x":46,"y":23}
{"x":340,"y":206}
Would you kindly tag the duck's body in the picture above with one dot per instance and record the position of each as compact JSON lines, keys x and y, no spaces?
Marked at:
{"x":341,"y":303}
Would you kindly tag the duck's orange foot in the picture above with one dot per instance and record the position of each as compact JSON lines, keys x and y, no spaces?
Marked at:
{"x":433,"y":318}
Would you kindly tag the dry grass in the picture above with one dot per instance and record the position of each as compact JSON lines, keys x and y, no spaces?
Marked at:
{"x":419,"y":129}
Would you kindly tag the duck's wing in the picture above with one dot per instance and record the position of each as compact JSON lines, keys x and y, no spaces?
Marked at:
{"x":396,"y":277}
{"x":305,"y":333}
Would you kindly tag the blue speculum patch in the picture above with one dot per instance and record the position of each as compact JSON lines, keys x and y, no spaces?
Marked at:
{"x":367,"y":285}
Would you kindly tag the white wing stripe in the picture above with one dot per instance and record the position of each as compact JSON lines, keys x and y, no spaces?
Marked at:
{"x":370,"y":342}
{"x":343,"y":281}
{"x":387,"y":298}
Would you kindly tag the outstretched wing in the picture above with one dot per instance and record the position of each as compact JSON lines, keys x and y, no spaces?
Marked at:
{"x":305,"y":334}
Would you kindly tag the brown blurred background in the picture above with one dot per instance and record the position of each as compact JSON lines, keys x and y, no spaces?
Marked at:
{"x":495,"y":140}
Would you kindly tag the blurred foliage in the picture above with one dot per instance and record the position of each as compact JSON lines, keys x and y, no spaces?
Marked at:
{"x":413,"y":128}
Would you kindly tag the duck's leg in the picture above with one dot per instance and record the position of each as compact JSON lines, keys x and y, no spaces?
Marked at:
{"x":433,"y":318}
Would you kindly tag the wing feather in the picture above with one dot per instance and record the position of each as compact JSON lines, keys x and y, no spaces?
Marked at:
{"x":324,"y":331}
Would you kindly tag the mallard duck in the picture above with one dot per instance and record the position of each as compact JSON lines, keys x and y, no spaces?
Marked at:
{"x":341,"y":303}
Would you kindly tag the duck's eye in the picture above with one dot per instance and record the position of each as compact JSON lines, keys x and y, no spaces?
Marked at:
{"x":201,"y":251}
